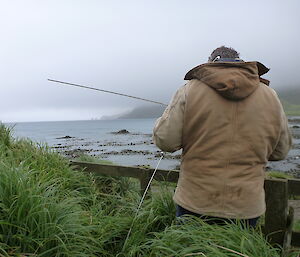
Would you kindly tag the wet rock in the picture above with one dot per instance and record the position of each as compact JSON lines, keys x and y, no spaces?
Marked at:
{"x":121,"y":132}
{"x":75,"y":153}
{"x":177,"y":167}
{"x":65,"y":137}
{"x":128,"y":152}
{"x":111,"y":153}
{"x":168,"y":156}
{"x":59,"y":147}
{"x":296,"y":126}
{"x":113,"y":144}
{"x":294,"y":120}
{"x":144,"y":166}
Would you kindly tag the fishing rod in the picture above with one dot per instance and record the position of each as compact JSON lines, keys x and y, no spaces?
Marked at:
{"x":162,"y":153}
{"x":105,"y":91}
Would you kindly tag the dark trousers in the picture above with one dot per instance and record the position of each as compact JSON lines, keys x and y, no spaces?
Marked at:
{"x":180,"y":211}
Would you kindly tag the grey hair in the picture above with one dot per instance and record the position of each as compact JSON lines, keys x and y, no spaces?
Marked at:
{"x":223,"y":52}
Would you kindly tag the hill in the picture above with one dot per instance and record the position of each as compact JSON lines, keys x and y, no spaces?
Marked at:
{"x":290,"y":109}
{"x":289,"y":97}
{"x":144,"y":112}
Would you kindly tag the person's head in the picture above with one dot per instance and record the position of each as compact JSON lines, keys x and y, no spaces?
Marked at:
{"x":223,"y":52}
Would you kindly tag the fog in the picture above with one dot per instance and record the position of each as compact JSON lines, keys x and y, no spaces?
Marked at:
{"x":142,"y":48}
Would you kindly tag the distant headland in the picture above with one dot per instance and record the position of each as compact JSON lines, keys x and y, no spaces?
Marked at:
{"x":141,"y":112}
{"x":290,"y":98}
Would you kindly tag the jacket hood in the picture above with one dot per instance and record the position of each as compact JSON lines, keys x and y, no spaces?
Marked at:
{"x":232,"y":80}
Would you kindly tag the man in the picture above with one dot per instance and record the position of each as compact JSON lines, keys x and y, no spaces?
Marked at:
{"x":229,"y":123}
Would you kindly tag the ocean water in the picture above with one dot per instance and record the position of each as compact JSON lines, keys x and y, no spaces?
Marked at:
{"x":96,"y":138}
{"x":85,"y":129}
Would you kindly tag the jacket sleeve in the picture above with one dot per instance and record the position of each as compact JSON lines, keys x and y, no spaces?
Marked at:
{"x":167,"y":132}
{"x":284,"y":143}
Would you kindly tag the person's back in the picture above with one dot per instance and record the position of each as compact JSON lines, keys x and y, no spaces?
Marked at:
{"x":229,"y":124}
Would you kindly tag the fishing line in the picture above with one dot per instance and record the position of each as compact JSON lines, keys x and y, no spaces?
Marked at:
{"x":142,"y":200}
{"x":105,"y":91}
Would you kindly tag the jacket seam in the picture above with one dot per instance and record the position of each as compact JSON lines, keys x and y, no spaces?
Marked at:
{"x":184,"y":117}
{"x":231,"y":142}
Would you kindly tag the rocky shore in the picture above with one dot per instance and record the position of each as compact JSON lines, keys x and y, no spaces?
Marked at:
{"x":135,"y":149}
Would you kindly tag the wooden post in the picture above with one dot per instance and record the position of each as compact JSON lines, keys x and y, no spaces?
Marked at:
{"x":288,"y":234}
{"x":276,"y":212}
{"x":295,"y":239}
{"x":144,"y":181}
{"x":294,"y":187}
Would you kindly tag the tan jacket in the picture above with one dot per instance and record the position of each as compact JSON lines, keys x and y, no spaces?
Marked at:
{"x":229,"y":124}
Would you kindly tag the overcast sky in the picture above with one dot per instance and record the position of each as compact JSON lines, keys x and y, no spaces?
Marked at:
{"x":137,"y":47}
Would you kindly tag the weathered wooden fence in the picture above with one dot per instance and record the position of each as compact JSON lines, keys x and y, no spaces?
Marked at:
{"x":278,"y":217}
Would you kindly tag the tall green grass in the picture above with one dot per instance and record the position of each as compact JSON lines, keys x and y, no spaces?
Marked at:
{"x":88,"y":158}
{"x":36,"y":219}
{"x":197,"y":238}
{"x":49,"y":209}
{"x":278,"y":174}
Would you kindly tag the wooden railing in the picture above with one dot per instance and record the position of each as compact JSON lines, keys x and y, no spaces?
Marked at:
{"x":278,"y":217}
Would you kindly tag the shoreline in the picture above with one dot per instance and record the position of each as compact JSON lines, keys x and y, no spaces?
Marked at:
{"x":137,"y":149}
